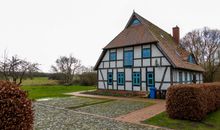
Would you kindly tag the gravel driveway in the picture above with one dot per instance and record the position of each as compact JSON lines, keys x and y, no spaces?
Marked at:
{"x":56,"y":115}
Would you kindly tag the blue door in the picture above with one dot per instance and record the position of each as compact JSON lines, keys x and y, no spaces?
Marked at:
{"x":150,"y":79}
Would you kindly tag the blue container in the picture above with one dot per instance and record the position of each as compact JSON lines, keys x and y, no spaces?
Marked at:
{"x":152,"y":92}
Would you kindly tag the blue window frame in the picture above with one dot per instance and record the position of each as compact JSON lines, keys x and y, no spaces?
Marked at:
{"x":121,"y":79}
{"x":146,"y":53}
{"x":180,"y":77}
{"x":136,"y":78}
{"x":150,"y":79}
{"x":191,"y":59}
{"x":112,"y":56}
{"x":110,"y":78}
{"x":186,"y":77}
{"x":128,"y":58}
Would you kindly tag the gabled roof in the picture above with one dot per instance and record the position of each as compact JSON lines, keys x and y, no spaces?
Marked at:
{"x":147,"y":32}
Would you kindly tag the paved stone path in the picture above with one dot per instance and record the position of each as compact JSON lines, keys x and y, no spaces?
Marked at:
{"x":53,"y":115}
{"x":137,"y":116}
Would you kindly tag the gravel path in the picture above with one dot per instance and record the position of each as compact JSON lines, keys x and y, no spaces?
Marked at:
{"x":51,"y":118}
{"x":114,"y":108}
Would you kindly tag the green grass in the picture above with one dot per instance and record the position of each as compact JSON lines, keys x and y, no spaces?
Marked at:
{"x":211,"y":122}
{"x":37,"y":92}
{"x":39,"y":81}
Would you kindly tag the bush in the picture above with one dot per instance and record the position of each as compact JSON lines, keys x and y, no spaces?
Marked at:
{"x":88,"y":79}
{"x":15,"y":109}
{"x":192,"y":101}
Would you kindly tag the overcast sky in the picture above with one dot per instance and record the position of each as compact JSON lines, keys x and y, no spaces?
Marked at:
{"x":43,"y":30}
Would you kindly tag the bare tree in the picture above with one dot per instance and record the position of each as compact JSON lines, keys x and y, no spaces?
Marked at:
{"x":14,"y":69}
{"x":67,"y":66}
{"x":203,"y":44}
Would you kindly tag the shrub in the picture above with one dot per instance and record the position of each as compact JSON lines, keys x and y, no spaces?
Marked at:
{"x":192,"y":101}
{"x":15,"y":109}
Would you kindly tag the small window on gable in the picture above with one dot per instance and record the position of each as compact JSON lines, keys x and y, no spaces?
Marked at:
{"x":112,"y":56}
{"x":135,"y":21}
{"x":146,"y":53}
{"x":191,"y":59}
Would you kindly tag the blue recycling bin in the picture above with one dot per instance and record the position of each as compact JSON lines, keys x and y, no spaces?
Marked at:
{"x":152,"y":92}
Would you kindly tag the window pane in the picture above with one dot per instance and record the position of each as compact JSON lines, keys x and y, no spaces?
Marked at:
{"x":128,"y":58}
{"x":146,"y":53}
{"x":112,"y":56}
{"x":136,"y":78}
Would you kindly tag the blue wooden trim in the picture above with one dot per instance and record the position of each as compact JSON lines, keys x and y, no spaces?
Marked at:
{"x":136,"y":78}
{"x":121,"y":78}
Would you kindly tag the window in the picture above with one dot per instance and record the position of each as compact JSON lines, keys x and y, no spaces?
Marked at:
{"x":110,"y":78}
{"x":136,"y":78}
{"x":150,"y":79}
{"x":128,"y":58}
{"x":120,"y":78}
{"x":112,"y":56}
{"x":135,"y":21}
{"x":146,"y":53}
{"x":180,"y":77}
{"x":191,"y":59}
{"x":186,"y":77}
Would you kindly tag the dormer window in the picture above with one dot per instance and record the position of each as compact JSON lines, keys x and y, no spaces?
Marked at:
{"x":191,"y":59}
{"x":134,"y":22}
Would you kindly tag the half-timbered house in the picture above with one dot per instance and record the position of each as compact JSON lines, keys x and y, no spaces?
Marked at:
{"x":143,"y":56}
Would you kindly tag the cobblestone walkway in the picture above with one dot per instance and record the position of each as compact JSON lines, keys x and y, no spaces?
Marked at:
{"x":54,"y":116}
{"x":136,"y":116}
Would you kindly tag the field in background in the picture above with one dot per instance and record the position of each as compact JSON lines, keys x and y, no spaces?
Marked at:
{"x":41,"y":87}
{"x":39,"y":81}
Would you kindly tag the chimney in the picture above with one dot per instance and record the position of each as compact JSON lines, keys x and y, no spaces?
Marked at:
{"x":176,"y":34}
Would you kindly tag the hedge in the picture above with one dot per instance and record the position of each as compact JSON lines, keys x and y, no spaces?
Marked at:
{"x":15,"y":109}
{"x":192,"y":101}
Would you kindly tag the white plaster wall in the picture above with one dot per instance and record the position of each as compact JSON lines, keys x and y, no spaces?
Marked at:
{"x":136,"y":69}
{"x":106,"y":64}
{"x":120,"y":54}
{"x":128,"y":48}
{"x":101,"y":85}
{"x":146,"y":62}
{"x":128,"y":86}
{"x":115,"y":85}
{"x":143,"y":86}
{"x":146,"y":46}
{"x":101,"y":65}
{"x":110,"y":87}
{"x":104,"y":73}
{"x":137,"y":63}
{"x":114,"y":74}
{"x":154,"y":61}
{"x":136,"y":88}
{"x":120,"y":87}
{"x":128,"y":74}
{"x":106,"y":57}
{"x":150,"y":69}
{"x":165,"y":61}
{"x":137,"y":52}
{"x":143,"y":74}
{"x":120,"y":70}
{"x":119,"y":63}
{"x":112,"y":64}
{"x":155,"y":51}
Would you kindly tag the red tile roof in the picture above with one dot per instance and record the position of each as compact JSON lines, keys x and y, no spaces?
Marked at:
{"x":147,"y":32}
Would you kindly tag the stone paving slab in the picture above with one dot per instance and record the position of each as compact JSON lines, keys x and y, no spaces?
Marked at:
{"x":52,"y":118}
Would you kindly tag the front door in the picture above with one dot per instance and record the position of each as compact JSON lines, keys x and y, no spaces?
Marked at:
{"x":150,"y":79}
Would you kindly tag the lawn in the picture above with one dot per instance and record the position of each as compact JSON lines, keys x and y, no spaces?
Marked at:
{"x":37,"y":92}
{"x":212,"y":122}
